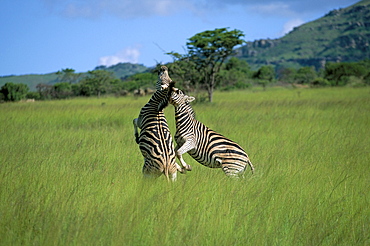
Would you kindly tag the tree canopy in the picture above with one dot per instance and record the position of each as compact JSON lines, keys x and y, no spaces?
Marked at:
{"x":209,"y":50}
{"x":68,"y":75}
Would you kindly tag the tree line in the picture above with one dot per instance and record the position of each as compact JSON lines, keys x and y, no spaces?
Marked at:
{"x":207,"y":65}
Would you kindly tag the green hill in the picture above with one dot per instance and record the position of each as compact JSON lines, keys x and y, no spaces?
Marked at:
{"x":341,"y":35}
{"x":31,"y":79}
{"x":123,"y":70}
{"x":120,"y":70}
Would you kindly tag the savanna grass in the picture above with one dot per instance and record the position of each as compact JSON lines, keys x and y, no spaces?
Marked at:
{"x":71,"y":173}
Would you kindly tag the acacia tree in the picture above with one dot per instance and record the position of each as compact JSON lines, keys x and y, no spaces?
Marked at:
{"x":209,"y":50}
{"x":68,"y":75}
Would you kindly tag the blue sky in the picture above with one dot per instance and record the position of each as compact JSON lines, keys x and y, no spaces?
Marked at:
{"x":44,"y":36}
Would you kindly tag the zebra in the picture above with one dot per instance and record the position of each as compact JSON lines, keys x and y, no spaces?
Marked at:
{"x":206,"y":146}
{"x":155,"y":141}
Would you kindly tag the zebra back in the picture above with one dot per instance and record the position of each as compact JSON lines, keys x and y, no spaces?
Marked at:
{"x":155,"y":141}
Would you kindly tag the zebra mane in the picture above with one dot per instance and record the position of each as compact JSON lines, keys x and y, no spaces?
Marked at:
{"x":190,"y":110}
{"x":185,"y":105}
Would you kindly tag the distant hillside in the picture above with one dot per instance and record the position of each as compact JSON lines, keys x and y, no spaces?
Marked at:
{"x":123,"y":70}
{"x":120,"y":70}
{"x":341,"y":35}
{"x":31,"y":79}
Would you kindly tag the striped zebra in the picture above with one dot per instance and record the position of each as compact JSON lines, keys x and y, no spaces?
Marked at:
{"x":155,"y":141}
{"x":206,"y":146}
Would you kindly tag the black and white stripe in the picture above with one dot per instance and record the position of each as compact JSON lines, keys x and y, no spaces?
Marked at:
{"x":206,"y":146}
{"x":155,"y":141}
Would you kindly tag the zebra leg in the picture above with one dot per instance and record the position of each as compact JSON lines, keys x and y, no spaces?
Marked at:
{"x":173,"y":176}
{"x":182,"y":150}
{"x":183,"y":163}
{"x":170,"y":172}
{"x":136,"y":132}
{"x":180,"y":169}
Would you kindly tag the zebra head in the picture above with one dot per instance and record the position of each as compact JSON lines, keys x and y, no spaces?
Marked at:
{"x":178,"y":97}
{"x":166,"y":95}
{"x":164,"y":79}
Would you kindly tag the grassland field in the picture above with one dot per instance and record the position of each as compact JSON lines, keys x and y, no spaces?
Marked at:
{"x":70,"y":173}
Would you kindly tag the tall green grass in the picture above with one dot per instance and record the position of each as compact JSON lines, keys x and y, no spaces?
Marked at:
{"x":70,"y":173}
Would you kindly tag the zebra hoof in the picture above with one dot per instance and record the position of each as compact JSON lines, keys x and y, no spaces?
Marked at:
{"x":188,"y":168}
{"x":182,"y":171}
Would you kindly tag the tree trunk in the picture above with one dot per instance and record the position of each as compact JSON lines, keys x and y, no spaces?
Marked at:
{"x":211,"y":85}
{"x":210,"y":95}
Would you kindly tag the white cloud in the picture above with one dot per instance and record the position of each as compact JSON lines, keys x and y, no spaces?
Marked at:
{"x":277,"y":8}
{"x":129,"y":54}
{"x":163,"y":7}
{"x":73,"y":10}
{"x":288,"y":26}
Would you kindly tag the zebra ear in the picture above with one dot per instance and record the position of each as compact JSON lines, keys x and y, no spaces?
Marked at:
{"x":189,"y":99}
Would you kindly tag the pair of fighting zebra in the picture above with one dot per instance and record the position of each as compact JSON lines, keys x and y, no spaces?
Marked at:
{"x":203,"y":144}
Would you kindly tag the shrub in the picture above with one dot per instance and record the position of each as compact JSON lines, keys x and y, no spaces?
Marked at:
{"x":14,"y":92}
{"x":319,"y":82}
{"x":33,"y":95}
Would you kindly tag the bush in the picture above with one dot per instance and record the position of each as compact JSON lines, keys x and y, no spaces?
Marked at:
{"x":367,"y":79}
{"x":319,"y":82}
{"x":340,"y":73}
{"x":62,"y":90}
{"x":139,"y":81}
{"x":232,"y":79}
{"x":354,"y":81}
{"x":14,"y":92}
{"x":33,"y":95}
{"x":305,"y":75}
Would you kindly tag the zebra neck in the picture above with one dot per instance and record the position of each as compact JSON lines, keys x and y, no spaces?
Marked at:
{"x":158,"y":98}
{"x":185,"y":109}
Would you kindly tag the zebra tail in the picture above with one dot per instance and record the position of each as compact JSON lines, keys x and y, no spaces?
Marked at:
{"x":166,"y":173}
{"x":251,"y":166}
